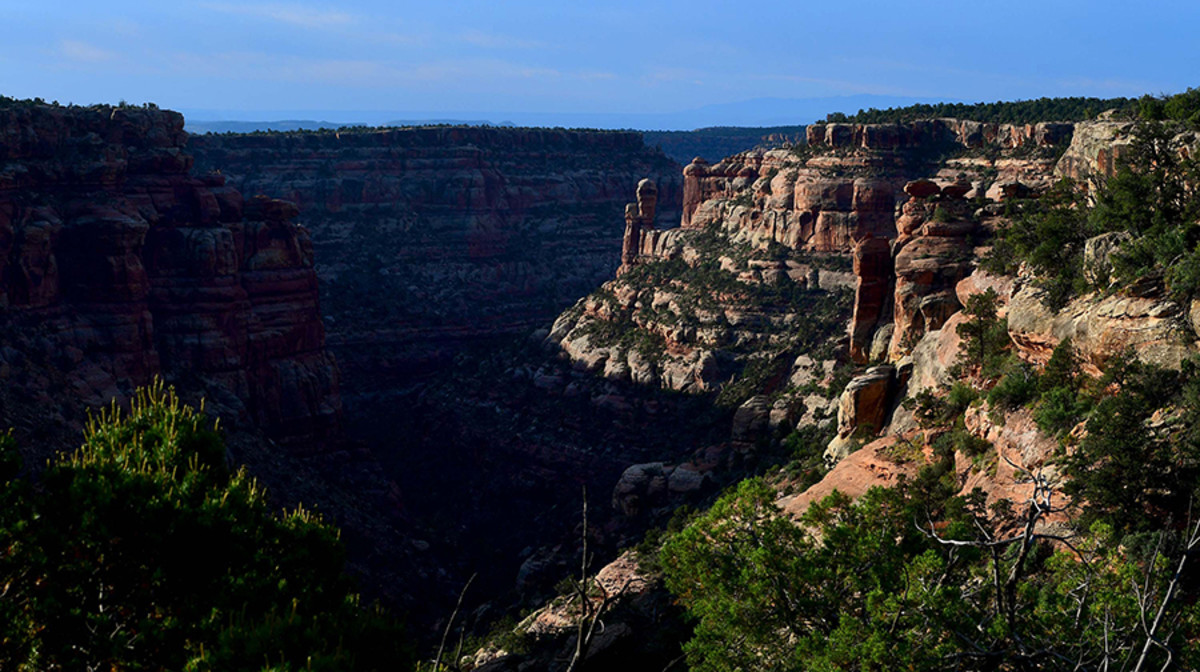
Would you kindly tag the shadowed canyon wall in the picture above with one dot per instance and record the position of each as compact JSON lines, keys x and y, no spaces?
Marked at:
{"x":118,"y":265}
{"x":427,"y":235}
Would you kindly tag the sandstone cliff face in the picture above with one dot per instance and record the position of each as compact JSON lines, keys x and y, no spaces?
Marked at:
{"x":1095,"y":150}
{"x":117,"y":264}
{"x":847,"y":182}
{"x":802,"y":207}
{"x":785,"y":220}
{"x":1155,"y":329}
{"x":932,"y":254}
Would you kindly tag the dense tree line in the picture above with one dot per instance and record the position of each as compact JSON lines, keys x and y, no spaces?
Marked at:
{"x":1179,"y":107}
{"x":1010,"y":112}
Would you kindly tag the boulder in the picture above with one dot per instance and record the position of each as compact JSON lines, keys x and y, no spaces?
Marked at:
{"x":864,"y":404}
{"x":934,"y":355}
{"x":979,"y":282}
{"x":922,"y":188}
{"x":1098,"y":252}
{"x":639,"y":487}
{"x":750,"y":421}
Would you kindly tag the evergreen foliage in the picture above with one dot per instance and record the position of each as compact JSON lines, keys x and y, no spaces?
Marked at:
{"x":1152,"y":197}
{"x":1136,"y":467}
{"x":1014,"y":112}
{"x":984,"y":336}
{"x":1179,"y":107}
{"x":856,"y":586}
{"x":144,"y":551}
{"x":1048,"y":235}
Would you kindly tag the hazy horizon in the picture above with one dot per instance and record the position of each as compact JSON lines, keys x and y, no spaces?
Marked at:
{"x":759,"y":112}
{"x":670,"y":63}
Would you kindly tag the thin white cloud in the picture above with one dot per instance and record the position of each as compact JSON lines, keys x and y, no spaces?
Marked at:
{"x":839,"y":86}
{"x":291,"y":14}
{"x":125,"y":28}
{"x":82,"y":52}
{"x":474,"y":69}
{"x":397,"y":39}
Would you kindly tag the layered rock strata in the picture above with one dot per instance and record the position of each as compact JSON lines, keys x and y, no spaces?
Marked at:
{"x":118,"y":265}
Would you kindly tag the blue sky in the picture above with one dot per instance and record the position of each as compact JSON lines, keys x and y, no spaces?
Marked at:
{"x":239,"y":58}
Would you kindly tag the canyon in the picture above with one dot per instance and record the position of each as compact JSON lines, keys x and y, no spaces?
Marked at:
{"x":896,"y":215}
{"x":456,"y":336}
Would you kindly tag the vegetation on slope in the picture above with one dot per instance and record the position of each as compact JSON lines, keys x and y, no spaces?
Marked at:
{"x":922,"y":576}
{"x":144,"y":551}
{"x":1150,"y":204}
{"x":771,"y":323}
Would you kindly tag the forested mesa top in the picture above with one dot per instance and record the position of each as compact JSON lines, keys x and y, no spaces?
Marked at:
{"x":38,"y":130}
{"x":425,"y":136}
{"x":1183,"y":106}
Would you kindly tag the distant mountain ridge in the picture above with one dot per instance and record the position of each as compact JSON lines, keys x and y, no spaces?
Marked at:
{"x":747,"y":113}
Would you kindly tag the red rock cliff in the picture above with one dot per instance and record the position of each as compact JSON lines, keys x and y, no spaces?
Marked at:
{"x":117,"y":265}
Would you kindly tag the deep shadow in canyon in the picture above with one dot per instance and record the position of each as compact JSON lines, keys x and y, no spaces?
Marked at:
{"x":492,"y":466}
{"x":441,"y":253}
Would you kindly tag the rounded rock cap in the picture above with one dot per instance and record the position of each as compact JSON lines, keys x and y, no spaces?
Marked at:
{"x":922,"y":188}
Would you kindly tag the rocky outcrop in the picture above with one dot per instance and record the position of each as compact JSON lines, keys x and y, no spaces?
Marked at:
{"x":846,"y":183}
{"x":932,"y":254}
{"x":927,"y":133}
{"x":1156,"y":329}
{"x":802,"y":208}
{"x":655,"y":485}
{"x":118,"y":265}
{"x":872,"y":294}
{"x":1021,"y":450}
{"x":639,"y":219}
{"x":862,"y":409}
{"x":1095,"y":150}
{"x":642,"y":627}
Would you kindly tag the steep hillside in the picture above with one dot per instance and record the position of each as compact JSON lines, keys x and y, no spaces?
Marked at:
{"x":117,"y":265}
{"x":762,"y":230}
{"x":953,"y":388}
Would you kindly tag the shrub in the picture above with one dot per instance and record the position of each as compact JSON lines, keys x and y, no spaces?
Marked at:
{"x":142,"y":550}
{"x":1059,"y":410}
{"x":1017,"y":387}
{"x":984,"y":337}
